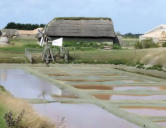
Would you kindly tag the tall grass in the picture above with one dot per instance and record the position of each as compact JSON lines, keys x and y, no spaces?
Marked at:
{"x":148,"y":43}
{"x":2,"y":113}
{"x":30,"y":118}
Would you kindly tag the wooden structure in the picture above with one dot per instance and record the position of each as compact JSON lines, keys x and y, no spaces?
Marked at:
{"x":81,"y":28}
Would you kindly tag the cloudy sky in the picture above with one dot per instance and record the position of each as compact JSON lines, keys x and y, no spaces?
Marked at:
{"x":136,"y":16}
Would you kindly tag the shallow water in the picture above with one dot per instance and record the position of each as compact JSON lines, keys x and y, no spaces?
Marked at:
{"x":24,"y":85}
{"x":82,"y":116}
{"x":147,"y":111}
{"x":130,"y":97}
{"x":162,"y":124}
{"x":133,"y":97}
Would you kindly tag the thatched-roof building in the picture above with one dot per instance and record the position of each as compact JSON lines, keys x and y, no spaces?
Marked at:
{"x":24,"y":34}
{"x":93,"y":29}
{"x":158,"y":34}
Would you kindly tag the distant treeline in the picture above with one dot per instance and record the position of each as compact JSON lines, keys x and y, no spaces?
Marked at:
{"x":19,"y":26}
{"x":131,"y":35}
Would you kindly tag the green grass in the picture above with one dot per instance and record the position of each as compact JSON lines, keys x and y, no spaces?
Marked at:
{"x":89,"y":52}
{"x":2,"y":89}
{"x":129,"y":42}
{"x":124,"y":56}
{"x":14,"y":53}
{"x":2,"y":112}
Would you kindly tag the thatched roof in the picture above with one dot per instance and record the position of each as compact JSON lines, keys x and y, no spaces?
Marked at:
{"x":81,"y":27}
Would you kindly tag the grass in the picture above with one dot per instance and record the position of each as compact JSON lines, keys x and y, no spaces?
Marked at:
{"x":9,"y":103}
{"x":2,"y":89}
{"x":3,"y":110}
{"x":89,"y":52}
{"x":14,"y":53}
{"x":148,"y":43}
{"x":129,"y":42}
{"x":124,"y":56}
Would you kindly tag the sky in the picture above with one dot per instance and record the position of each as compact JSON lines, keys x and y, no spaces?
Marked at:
{"x":136,"y":16}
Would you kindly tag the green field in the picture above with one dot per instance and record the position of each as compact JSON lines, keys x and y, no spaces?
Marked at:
{"x":93,"y":54}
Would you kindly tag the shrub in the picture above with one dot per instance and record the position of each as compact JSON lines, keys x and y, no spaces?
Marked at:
{"x":156,"y":67}
{"x":140,"y":66}
{"x":116,"y":46}
{"x":148,"y":43}
{"x":138,"y":45}
{"x":13,"y":121}
{"x":164,"y":44}
{"x":79,"y":44}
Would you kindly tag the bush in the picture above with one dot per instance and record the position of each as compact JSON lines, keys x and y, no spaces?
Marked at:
{"x":148,"y":43}
{"x":116,"y":46}
{"x":83,"y":44}
{"x":13,"y":121}
{"x":164,"y":44}
{"x":156,"y":67}
{"x":140,"y":66}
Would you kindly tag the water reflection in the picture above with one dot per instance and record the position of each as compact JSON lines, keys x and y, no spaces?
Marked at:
{"x":3,"y":76}
{"x":133,"y":97}
{"x":147,"y":111}
{"x":82,"y":116}
{"x":24,"y":85}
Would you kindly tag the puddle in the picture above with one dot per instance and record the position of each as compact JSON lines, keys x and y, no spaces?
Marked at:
{"x":24,"y":85}
{"x":81,"y":116}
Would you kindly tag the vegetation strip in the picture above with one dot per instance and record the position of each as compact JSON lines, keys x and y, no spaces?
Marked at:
{"x":157,"y":104}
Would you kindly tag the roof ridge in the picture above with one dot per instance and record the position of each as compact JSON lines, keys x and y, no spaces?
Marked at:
{"x":82,"y":18}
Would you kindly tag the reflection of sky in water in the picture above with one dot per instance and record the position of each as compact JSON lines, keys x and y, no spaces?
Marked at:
{"x":82,"y":116}
{"x":148,"y":112}
{"x":127,"y":97}
{"x":24,"y":85}
{"x":125,"y":88}
{"x":162,"y":123}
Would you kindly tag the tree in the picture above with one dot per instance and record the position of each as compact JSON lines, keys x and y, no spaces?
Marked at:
{"x":13,"y":25}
